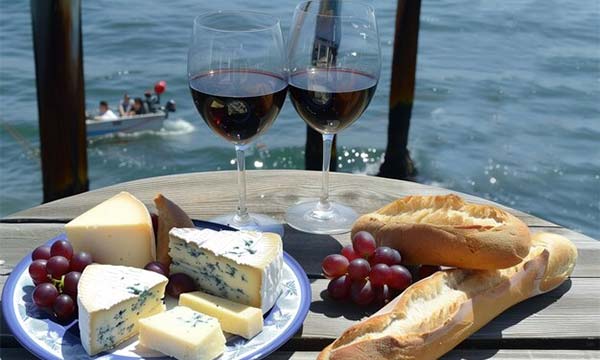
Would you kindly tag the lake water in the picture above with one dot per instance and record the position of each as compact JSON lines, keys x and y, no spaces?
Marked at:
{"x":507,"y":102}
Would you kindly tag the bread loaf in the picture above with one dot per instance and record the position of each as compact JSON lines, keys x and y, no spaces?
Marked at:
{"x":435,"y":314}
{"x":169,"y":216}
{"x":444,"y":230}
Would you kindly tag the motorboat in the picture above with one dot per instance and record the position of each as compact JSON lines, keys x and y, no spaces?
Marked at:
{"x":151,"y":121}
{"x":127,"y":124}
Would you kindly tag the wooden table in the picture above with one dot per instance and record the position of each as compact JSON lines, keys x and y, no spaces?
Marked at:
{"x":562,"y":324}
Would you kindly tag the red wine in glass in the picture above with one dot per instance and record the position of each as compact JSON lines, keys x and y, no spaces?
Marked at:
{"x":330,"y":100}
{"x":238,"y":104}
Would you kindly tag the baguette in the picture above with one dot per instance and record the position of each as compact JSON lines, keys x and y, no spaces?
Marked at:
{"x":169,"y":216}
{"x":435,"y":314}
{"x":444,"y":230}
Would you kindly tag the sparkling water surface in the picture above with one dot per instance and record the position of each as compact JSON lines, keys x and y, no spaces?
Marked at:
{"x":507,"y":102}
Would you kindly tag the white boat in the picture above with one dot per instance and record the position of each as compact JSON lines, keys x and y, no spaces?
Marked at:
{"x":151,"y":121}
{"x":126,"y":124}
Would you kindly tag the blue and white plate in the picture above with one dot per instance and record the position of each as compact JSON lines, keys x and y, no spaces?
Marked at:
{"x":47,"y":339}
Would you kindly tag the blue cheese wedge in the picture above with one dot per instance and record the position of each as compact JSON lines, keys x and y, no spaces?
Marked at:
{"x":183,"y":334}
{"x":112,"y":299}
{"x":241,"y":266}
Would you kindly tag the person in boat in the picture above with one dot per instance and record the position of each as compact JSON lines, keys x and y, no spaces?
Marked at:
{"x":105,"y":113}
{"x":150,"y":101}
{"x":137,"y":108}
{"x":125,"y":105}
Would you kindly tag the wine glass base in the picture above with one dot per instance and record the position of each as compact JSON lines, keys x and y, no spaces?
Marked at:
{"x":257,"y":222}
{"x":305,"y":217}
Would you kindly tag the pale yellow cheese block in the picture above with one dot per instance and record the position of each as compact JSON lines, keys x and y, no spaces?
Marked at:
{"x":183,"y":334}
{"x":117,"y":231}
{"x":243,"y":320}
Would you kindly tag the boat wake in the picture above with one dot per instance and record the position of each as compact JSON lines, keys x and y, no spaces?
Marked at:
{"x":174,"y":127}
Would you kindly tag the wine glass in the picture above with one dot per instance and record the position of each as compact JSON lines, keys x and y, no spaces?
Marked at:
{"x":334,"y":63}
{"x":237,"y":72}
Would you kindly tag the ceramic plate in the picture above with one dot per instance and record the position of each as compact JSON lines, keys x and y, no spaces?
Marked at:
{"x":47,"y":339}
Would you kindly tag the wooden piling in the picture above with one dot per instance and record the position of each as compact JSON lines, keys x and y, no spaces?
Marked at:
{"x":397,"y":163}
{"x":58,"y":53}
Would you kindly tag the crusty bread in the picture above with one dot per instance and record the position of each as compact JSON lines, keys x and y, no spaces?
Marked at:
{"x":444,"y":230}
{"x":169,"y":216}
{"x":435,"y":314}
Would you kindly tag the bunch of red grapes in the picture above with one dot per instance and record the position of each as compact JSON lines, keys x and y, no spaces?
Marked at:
{"x":366,"y":273}
{"x":55,"y":272}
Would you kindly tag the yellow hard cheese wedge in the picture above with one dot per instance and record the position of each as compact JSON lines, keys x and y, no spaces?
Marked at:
{"x":238,"y":319}
{"x":183,"y":334}
{"x":117,"y":231}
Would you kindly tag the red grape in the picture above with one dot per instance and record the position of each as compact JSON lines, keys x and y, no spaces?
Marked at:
{"x":335,"y":265}
{"x":44,"y":294}
{"x":157,"y":267}
{"x":383,"y":255}
{"x":41,"y":253}
{"x":62,"y":248}
{"x":37,"y":270}
{"x":379,"y":274}
{"x":70,"y":283}
{"x":358,"y":269}
{"x":180,"y":283}
{"x":397,"y":257}
{"x":80,"y":260}
{"x":400,"y":278}
{"x":339,"y":288}
{"x":364,"y":244}
{"x":64,"y":307}
{"x":348,"y":252}
{"x":382,"y":294}
{"x":427,"y":270}
{"x":362,"y":292}
{"x":57,"y":266}
{"x":154,"y":218}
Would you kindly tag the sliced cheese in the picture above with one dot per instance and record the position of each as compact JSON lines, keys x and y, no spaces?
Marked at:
{"x":235,"y":318}
{"x":241,"y":266}
{"x":183,"y":334}
{"x":111,"y":299}
{"x":117,"y":231}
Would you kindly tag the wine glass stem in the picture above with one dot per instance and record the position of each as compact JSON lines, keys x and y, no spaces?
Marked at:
{"x":324,"y":204}
{"x":241,"y":217}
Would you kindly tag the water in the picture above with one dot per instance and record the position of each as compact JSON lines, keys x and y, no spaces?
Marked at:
{"x":507,"y":102}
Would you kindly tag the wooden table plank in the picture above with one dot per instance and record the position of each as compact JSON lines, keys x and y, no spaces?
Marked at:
{"x":571,"y":311}
{"x":18,"y":239}
{"x":22,"y":354}
{"x":207,"y":194}
{"x":472,"y":354}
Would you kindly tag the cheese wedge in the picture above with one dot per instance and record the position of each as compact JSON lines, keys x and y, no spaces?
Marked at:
{"x":238,"y":319}
{"x":241,"y":266}
{"x":183,"y":334}
{"x":111,"y":299}
{"x":117,"y":231}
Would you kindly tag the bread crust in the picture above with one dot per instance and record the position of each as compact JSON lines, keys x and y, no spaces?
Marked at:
{"x":445,"y":230}
{"x":435,"y":314}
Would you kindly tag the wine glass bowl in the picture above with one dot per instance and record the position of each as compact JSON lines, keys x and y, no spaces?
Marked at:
{"x":334,"y":64}
{"x":237,"y":73}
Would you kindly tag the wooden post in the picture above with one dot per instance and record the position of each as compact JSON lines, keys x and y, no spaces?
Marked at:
{"x":58,"y":53}
{"x":324,"y":54}
{"x":397,"y":163}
